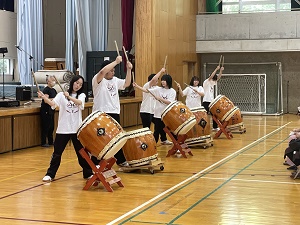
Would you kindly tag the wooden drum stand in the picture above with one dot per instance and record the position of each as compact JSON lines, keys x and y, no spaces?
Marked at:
{"x":102,"y":172}
{"x":178,"y":145}
{"x":223,"y":129}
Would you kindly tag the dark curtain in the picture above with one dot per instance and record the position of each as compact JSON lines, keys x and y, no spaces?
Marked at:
{"x":7,"y":5}
{"x":127,"y":13}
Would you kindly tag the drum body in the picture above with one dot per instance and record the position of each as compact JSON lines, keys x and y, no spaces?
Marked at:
{"x":222,"y":108}
{"x":140,"y":147}
{"x":178,"y":118}
{"x":201,"y":131}
{"x":236,"y":121}
{"x":101,"y":135}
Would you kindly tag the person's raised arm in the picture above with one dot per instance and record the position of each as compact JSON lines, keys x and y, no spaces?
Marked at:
{"x":154,"y":79}
{"x":128,"y":74}
{"x":139,"y":87}
{"x":100,"y":75}
{"x":179,"y":89}
{"x":220,"y":74}
{"x":214,"y":73}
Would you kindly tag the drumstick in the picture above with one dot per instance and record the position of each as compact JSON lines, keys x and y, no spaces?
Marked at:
{"x":155,"y":96}
{"x":189,"y":86}
{"x":37,"y":85}
{"x":117,"y":48}
{"x":223,"y":61}
{"x":165,"y":61}
{"x":133,"y":80}
{"x":58,"y":84}
{"x":125,"y":53}
{"x":220,"y":60}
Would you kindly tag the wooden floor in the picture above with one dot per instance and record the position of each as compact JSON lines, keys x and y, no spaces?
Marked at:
{"x":237,"y":181}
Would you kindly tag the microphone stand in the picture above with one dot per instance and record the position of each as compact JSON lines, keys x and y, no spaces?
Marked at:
{"x":31,"y":66}
{"x":3,"y":94}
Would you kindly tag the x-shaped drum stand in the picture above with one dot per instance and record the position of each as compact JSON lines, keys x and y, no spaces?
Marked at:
{"x":178,"y":144}
{"x":102,"y":172}
{"x":223,"y":129}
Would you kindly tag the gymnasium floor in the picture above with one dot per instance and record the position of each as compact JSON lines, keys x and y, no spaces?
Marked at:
{"x":237,"y":181}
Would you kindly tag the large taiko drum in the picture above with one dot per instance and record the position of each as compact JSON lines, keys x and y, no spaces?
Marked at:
{"x":140,"y":148}
{"x":222,"y":108}
{"x":101,"y":135}
{"x":178,"y":118}
{"x":201,"y":131}
{"x":236,"y":121}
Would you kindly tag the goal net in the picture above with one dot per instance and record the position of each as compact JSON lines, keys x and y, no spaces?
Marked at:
{"x":246,"y":91}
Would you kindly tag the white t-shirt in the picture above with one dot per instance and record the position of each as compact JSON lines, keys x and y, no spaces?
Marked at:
{"x":193,"y":99}
{"x":148,"y":102}
{"x":168,"y":94}
{"x":208,"y":86}
{"x":70,"y":115}
{"x":106,"y":95}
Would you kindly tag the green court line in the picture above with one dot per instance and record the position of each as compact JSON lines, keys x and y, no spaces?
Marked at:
{"x":187,"y":184}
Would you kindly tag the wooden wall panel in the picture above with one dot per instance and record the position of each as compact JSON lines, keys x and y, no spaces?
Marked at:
{"x":173,"y":34}
{"x":5,"y":134}
{"x":26,"y":131}
{"x":144,"y":60}
{"x":130,"y":115}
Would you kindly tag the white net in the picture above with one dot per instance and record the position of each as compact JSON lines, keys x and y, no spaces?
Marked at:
{"x":246,"y":91}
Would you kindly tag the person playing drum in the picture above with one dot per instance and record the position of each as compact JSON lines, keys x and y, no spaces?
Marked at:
{"x":148,"y":102}
{"x":164,"y":95}
{"x":193,"y":93}
{"x":71,"y":104}
{"x":208,"y":86}
{"x":106,"y":95}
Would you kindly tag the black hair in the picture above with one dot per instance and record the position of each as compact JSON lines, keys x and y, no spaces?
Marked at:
{"x":215,"y":77}
{"x":73,"y":80}
{"x":168,"y":79}
{"x":105,"y":63}
{"x":193,"y":79}
{"x":151,"y":76}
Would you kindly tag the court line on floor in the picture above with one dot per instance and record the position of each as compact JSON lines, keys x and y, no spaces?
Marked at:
{"x":220,"y":186}
{"x":194,"y":176}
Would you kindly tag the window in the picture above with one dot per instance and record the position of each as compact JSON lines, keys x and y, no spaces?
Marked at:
{"x":5,"y":65}
{"x":252,"y":6}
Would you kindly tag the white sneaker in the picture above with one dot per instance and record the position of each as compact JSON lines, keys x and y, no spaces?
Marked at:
{"x":123,"y":164}
{"x":166,"y":142}
{"x":47,"y":178}
{"x":216,"y":129}
{"x":88,"y":177}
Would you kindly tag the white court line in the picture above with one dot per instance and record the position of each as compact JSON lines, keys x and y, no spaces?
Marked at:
{"x":261,"y":181}
{"x":194,"y":176}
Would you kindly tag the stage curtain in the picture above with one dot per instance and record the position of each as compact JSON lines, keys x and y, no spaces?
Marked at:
{"x":92,"y":29}
{"x":70,"y":34}
{"x":127,"y":13}
{"x":29,"y":38}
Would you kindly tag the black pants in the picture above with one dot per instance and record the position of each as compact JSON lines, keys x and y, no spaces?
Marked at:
{"x":146,"y":119}
{"x":47,"y":126}
{"x":205,"y":105}
{"x":61,"y":141}
{"x":159,"y":130}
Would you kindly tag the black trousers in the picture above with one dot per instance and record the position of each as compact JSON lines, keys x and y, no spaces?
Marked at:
{"x":61,"y":141}
{"x":47,"y":126}
{"x":159,"y":130}
{"x":205,"y":105}
{"x":146,"y":119}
